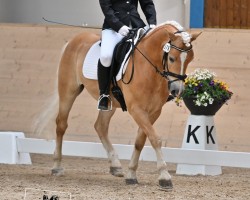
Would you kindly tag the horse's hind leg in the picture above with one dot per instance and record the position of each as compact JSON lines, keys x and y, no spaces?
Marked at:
{"x":67,"y":96}
{"x":101,"y":127}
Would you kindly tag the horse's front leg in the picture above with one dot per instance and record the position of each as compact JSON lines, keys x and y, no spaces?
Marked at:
{"x":133,"y":165}
{"x":145,"y":122}
{"x":101,"y":127}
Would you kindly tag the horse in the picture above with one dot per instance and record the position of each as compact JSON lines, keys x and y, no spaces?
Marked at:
{"x":158,"y":64}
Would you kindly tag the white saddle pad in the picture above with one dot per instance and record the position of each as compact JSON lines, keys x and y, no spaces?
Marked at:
{"x":93,"y":55}
{"x":91,"y":61}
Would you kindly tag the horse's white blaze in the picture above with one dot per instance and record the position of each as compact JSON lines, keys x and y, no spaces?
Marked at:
{"x":183,"y":57}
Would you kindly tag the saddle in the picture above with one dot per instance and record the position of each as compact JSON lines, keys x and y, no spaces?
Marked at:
{"x":122,"y":52}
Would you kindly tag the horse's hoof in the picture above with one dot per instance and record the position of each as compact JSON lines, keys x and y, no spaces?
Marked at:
{"x":131,"y":181}
{"x":166,"y":185}
{"x":116,"y":171}
{"x":57,"y":171}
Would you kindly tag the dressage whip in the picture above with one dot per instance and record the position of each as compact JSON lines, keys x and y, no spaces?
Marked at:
{"x":54,"y":22}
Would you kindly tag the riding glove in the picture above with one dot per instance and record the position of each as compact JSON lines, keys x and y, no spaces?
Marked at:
{"x":124,"y":30}
{"x":149,"y":27}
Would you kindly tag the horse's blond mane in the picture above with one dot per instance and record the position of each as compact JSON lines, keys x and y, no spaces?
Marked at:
{"x":186,"y":37}
{"x":175,"y":24}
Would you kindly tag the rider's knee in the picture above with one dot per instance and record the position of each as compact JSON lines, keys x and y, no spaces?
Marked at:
{"x":106,"y":60}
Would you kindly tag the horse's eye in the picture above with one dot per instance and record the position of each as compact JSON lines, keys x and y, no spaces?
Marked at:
{"x":171,"y":59}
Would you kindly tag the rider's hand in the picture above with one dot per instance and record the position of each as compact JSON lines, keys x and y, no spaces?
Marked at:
{"x":151,"y":26}
{"x":124,"y":30}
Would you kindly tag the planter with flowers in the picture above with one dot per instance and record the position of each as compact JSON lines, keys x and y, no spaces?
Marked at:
{"x":204,"y":94}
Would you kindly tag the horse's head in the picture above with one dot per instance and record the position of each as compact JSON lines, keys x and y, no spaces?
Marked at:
{"x":178,"y":53}
{"x":168,"y":49}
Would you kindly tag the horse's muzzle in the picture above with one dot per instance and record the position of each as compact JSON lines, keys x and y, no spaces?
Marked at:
{"x":176,"y":87}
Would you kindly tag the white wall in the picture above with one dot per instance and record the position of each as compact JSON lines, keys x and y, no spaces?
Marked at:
{"x":68,"y":11}
{"x":76,"y":12}
{"x":170,"y":10}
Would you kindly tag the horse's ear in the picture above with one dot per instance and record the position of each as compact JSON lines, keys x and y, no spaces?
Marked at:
{"x":194,"y":36}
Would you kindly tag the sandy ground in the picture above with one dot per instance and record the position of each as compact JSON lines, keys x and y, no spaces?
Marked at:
{"x":87,"y":178}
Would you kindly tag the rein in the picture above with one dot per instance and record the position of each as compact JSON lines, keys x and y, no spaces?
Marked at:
{"x":130,"y":38}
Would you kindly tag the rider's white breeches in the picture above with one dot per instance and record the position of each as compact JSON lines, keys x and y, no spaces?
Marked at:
{"x":109,"y":40}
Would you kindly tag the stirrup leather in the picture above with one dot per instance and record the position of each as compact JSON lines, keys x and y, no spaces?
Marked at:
{"x":109,"y":99}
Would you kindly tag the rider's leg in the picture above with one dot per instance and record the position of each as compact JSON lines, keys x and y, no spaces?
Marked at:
{"x":103,"y":74}
{"x":109,"y":40}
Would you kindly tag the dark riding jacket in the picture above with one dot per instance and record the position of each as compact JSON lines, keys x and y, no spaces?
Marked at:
{"x":124,"y":12}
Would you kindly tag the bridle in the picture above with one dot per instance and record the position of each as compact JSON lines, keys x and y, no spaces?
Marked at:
{"x":165,"y":72}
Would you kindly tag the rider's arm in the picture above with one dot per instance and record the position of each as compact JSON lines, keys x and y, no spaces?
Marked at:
{"x":110,"y":15}
{"x":149,"y":11}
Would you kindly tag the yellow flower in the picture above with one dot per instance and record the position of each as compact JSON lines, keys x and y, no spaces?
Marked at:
{"x":178,"y":101}
{"x":222,"y":84}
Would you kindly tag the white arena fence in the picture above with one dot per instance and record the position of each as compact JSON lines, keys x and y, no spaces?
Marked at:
{"x":172,"y":155}
{"x":15,"y":149}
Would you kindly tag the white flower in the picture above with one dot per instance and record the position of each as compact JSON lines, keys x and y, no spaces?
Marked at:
{"x":211,"y":100}
{"x":202,"y":97}
{"x":197,"y":102}
{"x":202,"y":74}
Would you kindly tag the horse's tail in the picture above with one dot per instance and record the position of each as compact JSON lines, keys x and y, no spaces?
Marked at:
{"x":45,"y":123}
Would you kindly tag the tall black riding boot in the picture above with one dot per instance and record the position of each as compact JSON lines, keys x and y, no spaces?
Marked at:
{"x":103,"y":74}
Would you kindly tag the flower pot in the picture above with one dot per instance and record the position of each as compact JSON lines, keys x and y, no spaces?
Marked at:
{"x":210,"y":109}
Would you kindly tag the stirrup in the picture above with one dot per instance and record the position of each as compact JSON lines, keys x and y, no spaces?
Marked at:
{"x":104,"y":108}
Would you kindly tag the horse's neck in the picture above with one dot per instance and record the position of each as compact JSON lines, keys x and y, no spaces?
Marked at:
{"x":154,"y":42}
{"x":161,"y":33}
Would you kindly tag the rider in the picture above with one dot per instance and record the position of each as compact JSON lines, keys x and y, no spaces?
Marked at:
{"x":120,"y":16}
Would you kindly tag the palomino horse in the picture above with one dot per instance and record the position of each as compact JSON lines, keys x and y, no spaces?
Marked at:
{"x":145,"y":95}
